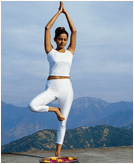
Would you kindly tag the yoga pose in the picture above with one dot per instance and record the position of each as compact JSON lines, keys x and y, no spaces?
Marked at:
{"x":58,"y":83}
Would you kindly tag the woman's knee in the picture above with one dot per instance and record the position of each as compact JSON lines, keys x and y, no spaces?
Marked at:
{"x":32,"y":106}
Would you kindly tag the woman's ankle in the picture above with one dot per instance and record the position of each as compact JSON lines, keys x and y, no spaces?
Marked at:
{"x":57,"y":154}
{"x":58,"y":149}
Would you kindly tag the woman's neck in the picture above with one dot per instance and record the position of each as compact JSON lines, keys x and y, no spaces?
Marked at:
{"x":60,"y":50}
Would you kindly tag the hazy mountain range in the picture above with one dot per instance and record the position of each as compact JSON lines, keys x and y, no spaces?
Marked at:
{"x":17,"y":122}
{"x":119,"y":119}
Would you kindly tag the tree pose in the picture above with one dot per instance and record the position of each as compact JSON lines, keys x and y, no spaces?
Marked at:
{"x":58,"y":83}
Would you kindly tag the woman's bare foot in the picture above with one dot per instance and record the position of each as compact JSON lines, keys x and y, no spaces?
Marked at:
{"x":57,"y":155}
{"x":59,"y":115}
{"x":58,"y":149}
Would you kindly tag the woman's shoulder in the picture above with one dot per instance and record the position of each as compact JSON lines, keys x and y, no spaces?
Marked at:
{"x":51,"y":52}
{"x":69,"y":52}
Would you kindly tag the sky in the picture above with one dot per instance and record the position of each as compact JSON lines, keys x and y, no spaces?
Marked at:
{"x":103,"y":61}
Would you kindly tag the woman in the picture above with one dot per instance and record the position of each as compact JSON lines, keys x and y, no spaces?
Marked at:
{"x":58,"y":83}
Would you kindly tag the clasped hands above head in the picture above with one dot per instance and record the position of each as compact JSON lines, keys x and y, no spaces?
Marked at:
{"x":62,"y":8}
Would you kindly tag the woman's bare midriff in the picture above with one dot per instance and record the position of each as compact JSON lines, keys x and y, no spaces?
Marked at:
{"x":58,"y":77}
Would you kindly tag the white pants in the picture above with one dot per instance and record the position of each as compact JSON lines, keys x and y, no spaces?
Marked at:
{"x":60,"y":89}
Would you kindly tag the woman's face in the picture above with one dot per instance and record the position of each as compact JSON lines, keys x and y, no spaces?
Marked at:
{"x":61,"y":41}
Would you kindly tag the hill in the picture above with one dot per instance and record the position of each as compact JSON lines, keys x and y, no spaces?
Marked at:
{"x":86,"y":137}
{"x":17,"y":122}
{"x":90,"y":110}
{"x":119,"y":119}
{"x":128,"y":127}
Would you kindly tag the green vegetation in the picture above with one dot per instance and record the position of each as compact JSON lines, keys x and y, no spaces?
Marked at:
{"x":85,"y":137}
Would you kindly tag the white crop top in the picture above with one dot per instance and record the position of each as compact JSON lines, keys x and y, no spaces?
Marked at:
{"x":59,"y":63}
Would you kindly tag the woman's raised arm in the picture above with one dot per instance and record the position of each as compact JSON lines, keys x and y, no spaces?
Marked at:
{"x":72,"y":44}
{"x":47,"y":38}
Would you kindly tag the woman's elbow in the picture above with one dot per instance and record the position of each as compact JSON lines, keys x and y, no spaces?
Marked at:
{"x":47,"y":27}
{"x":73,"y":29}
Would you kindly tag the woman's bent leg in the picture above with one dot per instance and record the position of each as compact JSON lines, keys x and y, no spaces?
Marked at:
{"x":38,"y":104}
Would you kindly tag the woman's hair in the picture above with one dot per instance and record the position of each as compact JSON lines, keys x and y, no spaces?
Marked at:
{"x":60,"y":30}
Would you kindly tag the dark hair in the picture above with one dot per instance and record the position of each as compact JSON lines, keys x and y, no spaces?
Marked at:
{"x":60,"y":30}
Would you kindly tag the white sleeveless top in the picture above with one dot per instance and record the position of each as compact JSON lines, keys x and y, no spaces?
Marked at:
{"x":59,"y":63}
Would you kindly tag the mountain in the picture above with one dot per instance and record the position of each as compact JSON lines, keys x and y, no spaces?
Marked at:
{"x":90,"y":110}
{"x":3,"y":103}
{"x":119,"y":119}
{"x":86,"y":137}
{"x":128,"y":127}
{"x":22,"y":104}
{"x":17,"y":122}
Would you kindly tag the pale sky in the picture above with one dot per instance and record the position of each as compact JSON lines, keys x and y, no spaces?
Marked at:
{"x":103,"y":60}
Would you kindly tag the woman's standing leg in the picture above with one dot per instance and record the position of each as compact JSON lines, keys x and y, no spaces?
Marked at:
{"x":65,"y":100}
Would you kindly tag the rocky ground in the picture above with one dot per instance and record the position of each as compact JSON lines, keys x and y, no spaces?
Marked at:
{"x":94,"y":155}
